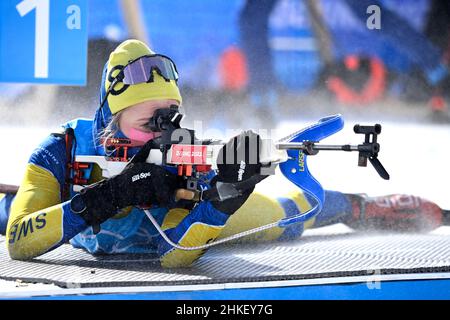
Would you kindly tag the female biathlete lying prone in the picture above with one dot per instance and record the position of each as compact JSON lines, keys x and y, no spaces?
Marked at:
{"x":46,"y":213}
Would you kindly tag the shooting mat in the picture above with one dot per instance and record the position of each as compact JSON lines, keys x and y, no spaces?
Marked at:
{"x":310,"y":257}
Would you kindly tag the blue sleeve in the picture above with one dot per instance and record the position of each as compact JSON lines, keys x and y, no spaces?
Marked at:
{"x":72,"y":223}
{"x":5,"y":205}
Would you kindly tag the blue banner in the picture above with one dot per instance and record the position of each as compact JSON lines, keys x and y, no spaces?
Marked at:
{"x":43,"y":41}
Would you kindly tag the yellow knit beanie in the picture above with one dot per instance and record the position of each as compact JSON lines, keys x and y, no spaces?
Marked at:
{"x":158,"y":89}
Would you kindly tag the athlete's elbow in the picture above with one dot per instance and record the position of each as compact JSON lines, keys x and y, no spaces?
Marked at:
{"x":20,"y":251}
{"x":179,"y":259}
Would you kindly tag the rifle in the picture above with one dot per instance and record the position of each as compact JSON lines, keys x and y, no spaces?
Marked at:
{"x":179,"y":148}
{"x":8,"y":188}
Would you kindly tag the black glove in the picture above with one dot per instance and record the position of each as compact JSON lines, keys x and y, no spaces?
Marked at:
{"x":139,"y":184}
{"x":238,"y":160}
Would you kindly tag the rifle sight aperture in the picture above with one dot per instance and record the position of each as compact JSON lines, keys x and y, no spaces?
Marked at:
{"x":165,"y":119}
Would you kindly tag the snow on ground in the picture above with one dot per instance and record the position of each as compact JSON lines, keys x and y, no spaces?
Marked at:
{"x":18,"y":144}
{"x":14,"y":288}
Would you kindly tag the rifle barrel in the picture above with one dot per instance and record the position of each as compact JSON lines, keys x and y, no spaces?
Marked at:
{"x":302,"y":146}
{"x":7,"y":188}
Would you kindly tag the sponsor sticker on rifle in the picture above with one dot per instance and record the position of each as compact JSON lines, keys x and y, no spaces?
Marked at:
{"x":188,"y":154}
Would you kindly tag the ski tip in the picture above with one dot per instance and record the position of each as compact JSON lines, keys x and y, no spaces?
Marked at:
{"x":445,"y":217}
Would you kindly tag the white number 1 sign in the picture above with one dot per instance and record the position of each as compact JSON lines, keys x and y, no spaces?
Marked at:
{"x":43,"y":41}
{"x":41,"y":33}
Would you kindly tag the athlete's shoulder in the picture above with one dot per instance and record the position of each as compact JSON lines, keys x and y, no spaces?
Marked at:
{"x":50,"y":154}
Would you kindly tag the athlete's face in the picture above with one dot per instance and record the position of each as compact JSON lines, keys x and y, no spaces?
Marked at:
{"x":133,"y":120}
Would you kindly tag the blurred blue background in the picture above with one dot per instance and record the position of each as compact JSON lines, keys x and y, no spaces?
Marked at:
{"x":265,"y":56}
{"x":196,"y":33}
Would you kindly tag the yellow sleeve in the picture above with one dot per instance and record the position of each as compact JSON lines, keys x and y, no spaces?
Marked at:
{"x":36,"y":217}
{"x":194,"y":234}
{"x":261,"y":209}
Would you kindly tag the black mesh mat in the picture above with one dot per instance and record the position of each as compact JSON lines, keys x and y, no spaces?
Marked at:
{"x":309,"y":257}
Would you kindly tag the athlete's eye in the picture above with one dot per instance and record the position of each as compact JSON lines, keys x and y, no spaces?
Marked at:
{"x":145,"y":127}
